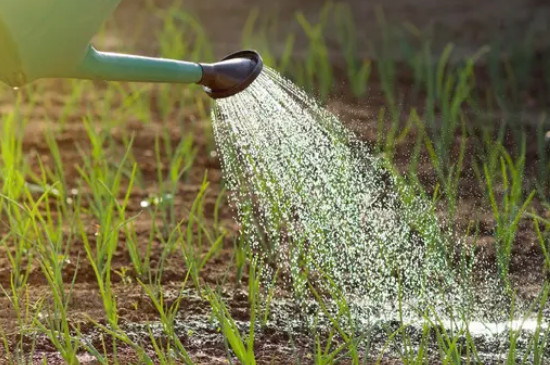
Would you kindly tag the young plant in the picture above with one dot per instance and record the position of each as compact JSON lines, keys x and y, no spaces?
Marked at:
{"x":342,"y":325}
{"x":105,"y":186}
{"x":544,"y":243}
{"x":507,"y":210}
{"x":180,"y":161}
{"x":242,"y":348}
{"x":543,"y":164}
{"x":16,"y":348}
{"x":259,"y":34}
{"x":318,"y":69}
{"x":386,"y":66}
{"x":13,"y":172}
{"x":190,"y":237}
{"x":358,"y":71}
{"x":172,"y":349}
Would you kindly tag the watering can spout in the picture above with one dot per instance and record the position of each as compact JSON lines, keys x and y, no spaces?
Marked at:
{"x":222,"y":79}
{"x":121,"y":67}
{"x":232,"y":74}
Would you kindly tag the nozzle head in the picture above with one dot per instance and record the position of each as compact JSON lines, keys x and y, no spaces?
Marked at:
{"x":232,"y":74}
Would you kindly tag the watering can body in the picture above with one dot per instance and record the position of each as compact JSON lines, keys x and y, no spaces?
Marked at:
{"x":47,"y":38}
{"x":51,"y":39}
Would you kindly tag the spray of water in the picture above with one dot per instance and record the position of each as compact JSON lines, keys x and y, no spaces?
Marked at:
{"x":318,"y":204}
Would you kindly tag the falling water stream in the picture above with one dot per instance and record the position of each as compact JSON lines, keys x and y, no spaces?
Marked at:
{"x":315,"y":202}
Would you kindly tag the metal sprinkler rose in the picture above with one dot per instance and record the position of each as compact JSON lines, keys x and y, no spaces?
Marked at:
{"x":51,"y":39}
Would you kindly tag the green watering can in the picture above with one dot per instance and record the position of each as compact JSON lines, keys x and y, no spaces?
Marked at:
{"x":51,"y":39}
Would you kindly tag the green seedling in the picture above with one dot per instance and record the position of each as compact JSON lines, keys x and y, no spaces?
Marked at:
{"x":16,"y":351}
{"x":258,"y":33}
{"x":242,"y":348}
{"x":191,"y":244}
{"x":341,"y":324}
{"x":173,"y":350}
{"x":543,"y":164}
{"x":318,"y":70}
{"x":358,"y":71}
{"x":508,"y":210}
{"x":544,"y":243}
{"x":386,"y":66}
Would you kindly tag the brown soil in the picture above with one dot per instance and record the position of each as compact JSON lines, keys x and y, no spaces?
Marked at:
{"x":470,"y":22}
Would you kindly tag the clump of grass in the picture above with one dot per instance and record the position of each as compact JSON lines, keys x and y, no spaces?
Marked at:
{"x":358,"y":71}
{"x":344,"y":340}
{"x":181,"y":158}
{"x":544,"y":243}
{"x":386,"y":66}
{"x":172,"y":349}
{"x":260,"y":33}
{"x":19,"y":348}
{"x":242,"y":348}
{"x":191,"y":238}
{"x":105,"y":187}
{"x":542,"y":182}
{"x":509,"y":209}
{"x":317,"y":74}
{"x":13,"y":172}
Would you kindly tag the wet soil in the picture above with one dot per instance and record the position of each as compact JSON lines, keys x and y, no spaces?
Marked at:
{"x":470,"y":22}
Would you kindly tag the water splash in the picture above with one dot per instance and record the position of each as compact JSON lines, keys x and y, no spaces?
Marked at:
{"x":318,"y":204}
{"x":316,"y":200}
